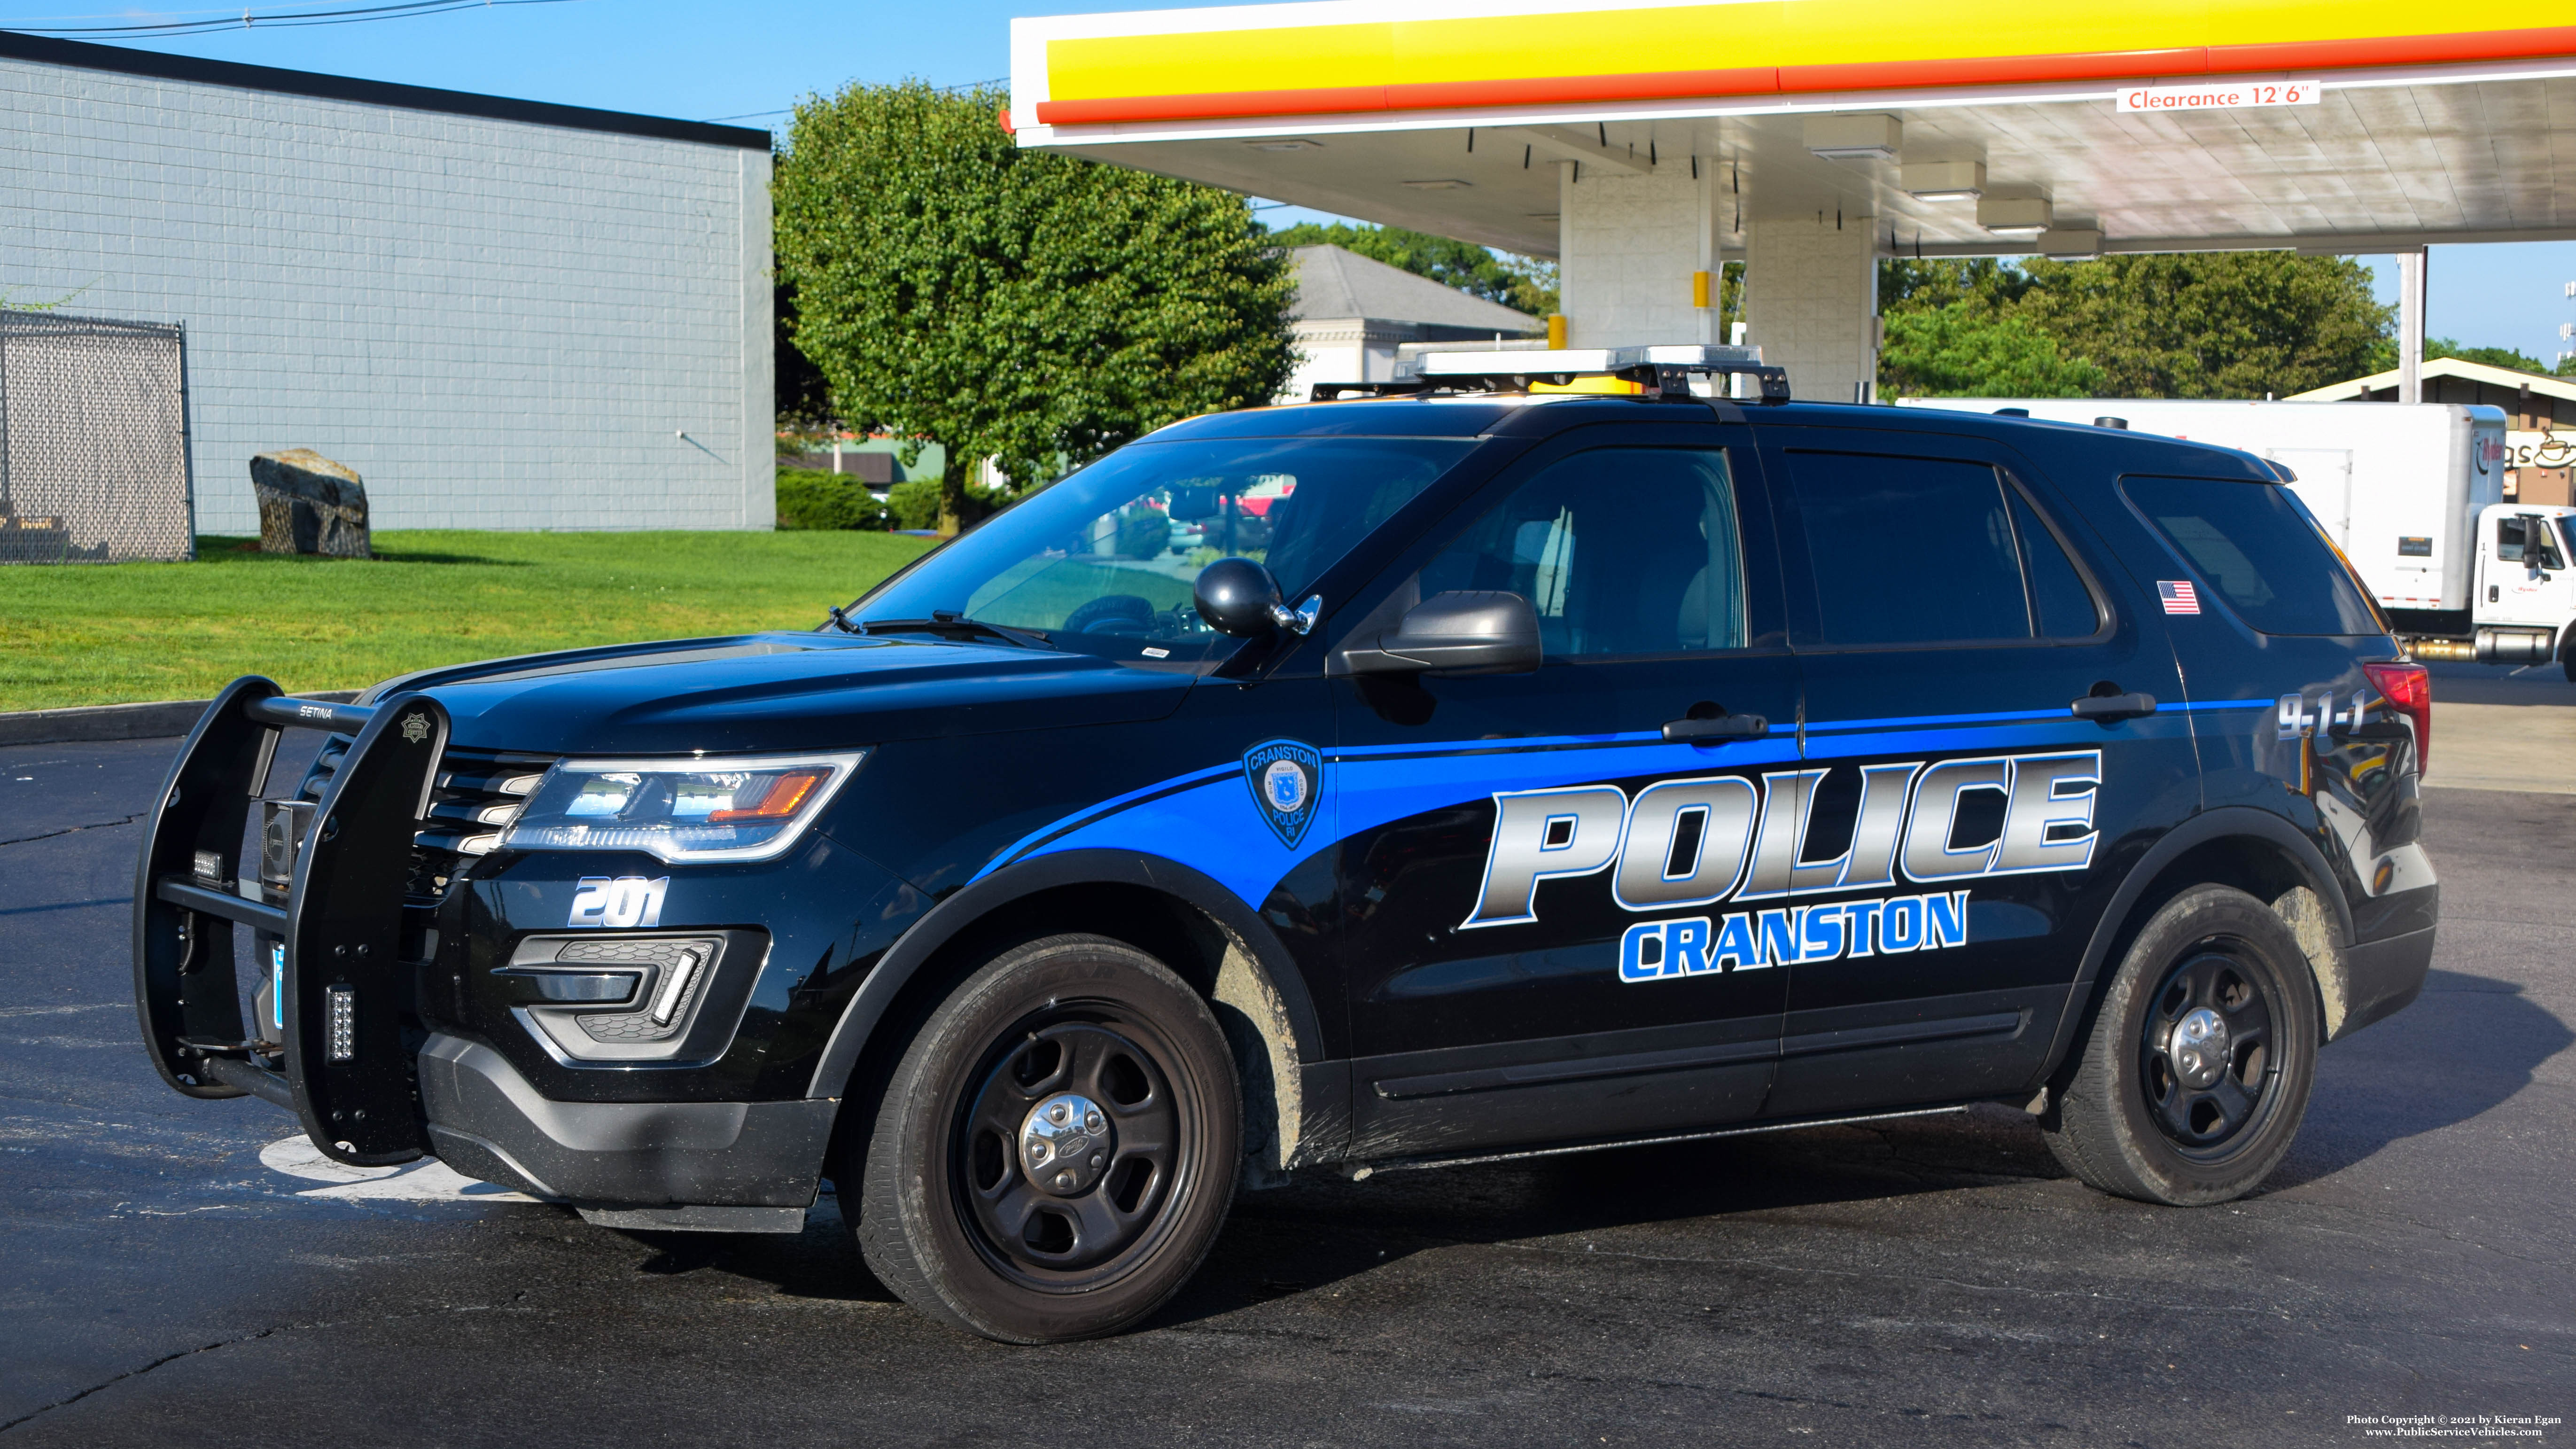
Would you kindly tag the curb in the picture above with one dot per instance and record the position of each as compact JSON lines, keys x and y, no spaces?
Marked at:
{"x":160,"y":719}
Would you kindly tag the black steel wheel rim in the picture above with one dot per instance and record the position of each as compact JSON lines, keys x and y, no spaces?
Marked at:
{"x":2209,"y":1058}
{"x":1027,"y":1221}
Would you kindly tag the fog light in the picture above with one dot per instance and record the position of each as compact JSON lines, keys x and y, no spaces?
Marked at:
{"x":344,"y":1023}
{"x":675,"y":987}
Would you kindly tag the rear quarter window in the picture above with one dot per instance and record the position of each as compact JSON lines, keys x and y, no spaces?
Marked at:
{"x":2255,"y":548}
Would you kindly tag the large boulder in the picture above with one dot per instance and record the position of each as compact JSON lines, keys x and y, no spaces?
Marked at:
{"x":309,"y":504}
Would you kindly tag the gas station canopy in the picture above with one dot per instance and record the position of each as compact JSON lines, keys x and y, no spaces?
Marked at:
{"x":2321,"y":125}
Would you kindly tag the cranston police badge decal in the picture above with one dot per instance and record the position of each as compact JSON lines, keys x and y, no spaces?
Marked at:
{"x":1286,"y":779}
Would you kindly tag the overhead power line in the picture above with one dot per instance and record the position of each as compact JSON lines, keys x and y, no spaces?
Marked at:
{"x":211,"y":21}
{"x":997,"y":83}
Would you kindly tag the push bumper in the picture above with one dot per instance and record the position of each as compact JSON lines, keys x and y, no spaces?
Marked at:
{"x":631,"y":1164}
{"x":333,"y":929}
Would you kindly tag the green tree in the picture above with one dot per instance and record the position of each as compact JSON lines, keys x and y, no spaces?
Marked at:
{"x":1962,"y":350}
{"x":2384,"y":357}
{"x":1906,"y":285}
{"x":1525,"y":283}
{"x":1025,"y":306}
{"x":2193,"y":324}
{"x":2210,"y":324}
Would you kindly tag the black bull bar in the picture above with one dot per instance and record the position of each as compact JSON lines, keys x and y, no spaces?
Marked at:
{"x":343,"y":1066}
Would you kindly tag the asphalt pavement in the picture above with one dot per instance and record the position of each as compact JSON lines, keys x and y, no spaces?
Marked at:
{"x":174,"y":1271}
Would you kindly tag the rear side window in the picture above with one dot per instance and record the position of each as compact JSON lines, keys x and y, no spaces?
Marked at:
{"x":1929,"y":551}
{"x":2259,"y":550}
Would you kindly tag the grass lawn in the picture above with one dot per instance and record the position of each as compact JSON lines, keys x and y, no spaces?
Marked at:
{"x":112,"y":633}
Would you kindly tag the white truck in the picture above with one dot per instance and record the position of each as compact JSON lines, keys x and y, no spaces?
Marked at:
{"x":2413,"y":494}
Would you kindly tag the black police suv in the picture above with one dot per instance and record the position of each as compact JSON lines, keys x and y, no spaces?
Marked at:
{"x":1552,"y":756}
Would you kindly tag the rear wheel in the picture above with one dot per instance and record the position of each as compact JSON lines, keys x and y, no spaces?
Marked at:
{"x":1055,"y":1153}
{"x":2197,"y":1072}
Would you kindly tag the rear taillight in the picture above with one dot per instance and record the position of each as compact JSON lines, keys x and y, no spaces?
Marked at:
{"x":2408,"y":688}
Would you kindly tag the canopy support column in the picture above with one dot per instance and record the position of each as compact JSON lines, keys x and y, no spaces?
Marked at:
{"x":2410,"y":325}
{"x":1811,"y":295}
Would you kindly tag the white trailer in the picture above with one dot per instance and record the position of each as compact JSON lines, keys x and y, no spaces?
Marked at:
{"x":2399,"y":486}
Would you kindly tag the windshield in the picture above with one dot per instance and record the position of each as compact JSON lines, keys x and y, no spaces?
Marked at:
{"x":1104,"y":562}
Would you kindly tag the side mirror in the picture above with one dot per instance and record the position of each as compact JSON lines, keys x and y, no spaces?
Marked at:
{"x":1460,"y":632}
{"x":1239,"y":597}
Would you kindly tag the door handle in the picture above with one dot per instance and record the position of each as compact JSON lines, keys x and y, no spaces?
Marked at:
{"x":1724,"y":727}
{"x":2110,"y":708}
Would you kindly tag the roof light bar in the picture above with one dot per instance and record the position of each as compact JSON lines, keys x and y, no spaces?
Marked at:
{"x":1657,"y":373}
{"x":1535,"y":362}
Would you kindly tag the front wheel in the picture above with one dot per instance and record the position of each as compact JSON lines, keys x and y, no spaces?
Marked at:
{"x":2197,"y":1072}
{"x":1055,"y":1153}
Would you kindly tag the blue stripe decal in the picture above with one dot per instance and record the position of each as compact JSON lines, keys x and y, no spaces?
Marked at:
{"x":1106,"y":807}
{"x":1212,"y":816}
{"x":1899,"y":721}
{"x":1517,"y":742}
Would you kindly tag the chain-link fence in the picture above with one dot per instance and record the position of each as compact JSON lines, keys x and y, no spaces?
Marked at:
{"x":93,"y":440}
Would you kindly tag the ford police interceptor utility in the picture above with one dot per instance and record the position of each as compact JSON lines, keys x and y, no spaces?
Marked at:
{"x":1584,"y":755}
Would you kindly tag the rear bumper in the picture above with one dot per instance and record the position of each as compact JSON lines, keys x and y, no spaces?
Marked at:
{"x":2381,"y":977}
{"x":487,"y":1122}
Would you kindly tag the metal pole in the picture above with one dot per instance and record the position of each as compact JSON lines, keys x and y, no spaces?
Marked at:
{"x":187,"y":442}
{"x":2410,"y":325}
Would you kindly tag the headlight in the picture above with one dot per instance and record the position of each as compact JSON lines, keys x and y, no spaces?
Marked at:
{"x":681,"y":811}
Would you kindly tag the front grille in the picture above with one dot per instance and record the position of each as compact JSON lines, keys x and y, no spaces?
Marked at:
{"x":476,"y":795}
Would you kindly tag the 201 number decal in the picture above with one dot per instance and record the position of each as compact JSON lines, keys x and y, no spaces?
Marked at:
{"x":620,"y":903}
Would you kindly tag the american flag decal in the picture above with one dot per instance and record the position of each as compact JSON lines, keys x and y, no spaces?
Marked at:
{"x":2179,"y":596}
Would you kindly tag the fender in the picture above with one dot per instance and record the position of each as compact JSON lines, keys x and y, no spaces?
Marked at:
{"x":1048,"y":872}
{"x":2222,"y":823}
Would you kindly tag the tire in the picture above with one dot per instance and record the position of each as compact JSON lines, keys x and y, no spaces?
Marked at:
{"x":968,"y":1219}
{"x":2155,"y":1109}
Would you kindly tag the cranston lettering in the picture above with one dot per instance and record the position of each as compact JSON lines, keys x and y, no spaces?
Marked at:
{"x":1790,"y":935}
{"x":1685,"y":843}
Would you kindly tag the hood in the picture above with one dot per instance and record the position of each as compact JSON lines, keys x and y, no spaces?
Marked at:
{"x":781,"y":692}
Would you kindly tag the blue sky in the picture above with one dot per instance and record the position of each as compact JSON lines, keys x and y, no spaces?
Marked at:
{"x":753,"y":57}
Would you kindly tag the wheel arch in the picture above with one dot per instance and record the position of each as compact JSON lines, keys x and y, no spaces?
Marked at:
{"x":2253,"y":850}
{"x":1179,"y":915}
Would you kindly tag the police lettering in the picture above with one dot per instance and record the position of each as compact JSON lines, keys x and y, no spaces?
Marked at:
{"x":1685,"y":843}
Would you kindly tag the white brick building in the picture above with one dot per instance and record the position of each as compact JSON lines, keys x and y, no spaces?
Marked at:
{"x":503,"y":314}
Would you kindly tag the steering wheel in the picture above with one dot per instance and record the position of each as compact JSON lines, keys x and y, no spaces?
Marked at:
{"x":1125,"y":614}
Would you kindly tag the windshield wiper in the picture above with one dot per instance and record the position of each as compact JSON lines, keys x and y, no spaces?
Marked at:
{"x":947,"y":626}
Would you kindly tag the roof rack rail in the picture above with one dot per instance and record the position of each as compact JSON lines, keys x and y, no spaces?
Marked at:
{"x":1652,"y":372}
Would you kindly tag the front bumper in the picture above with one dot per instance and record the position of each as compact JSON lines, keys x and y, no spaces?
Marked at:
{"x":397,"y":1020}
{"x":488,"y":1122}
